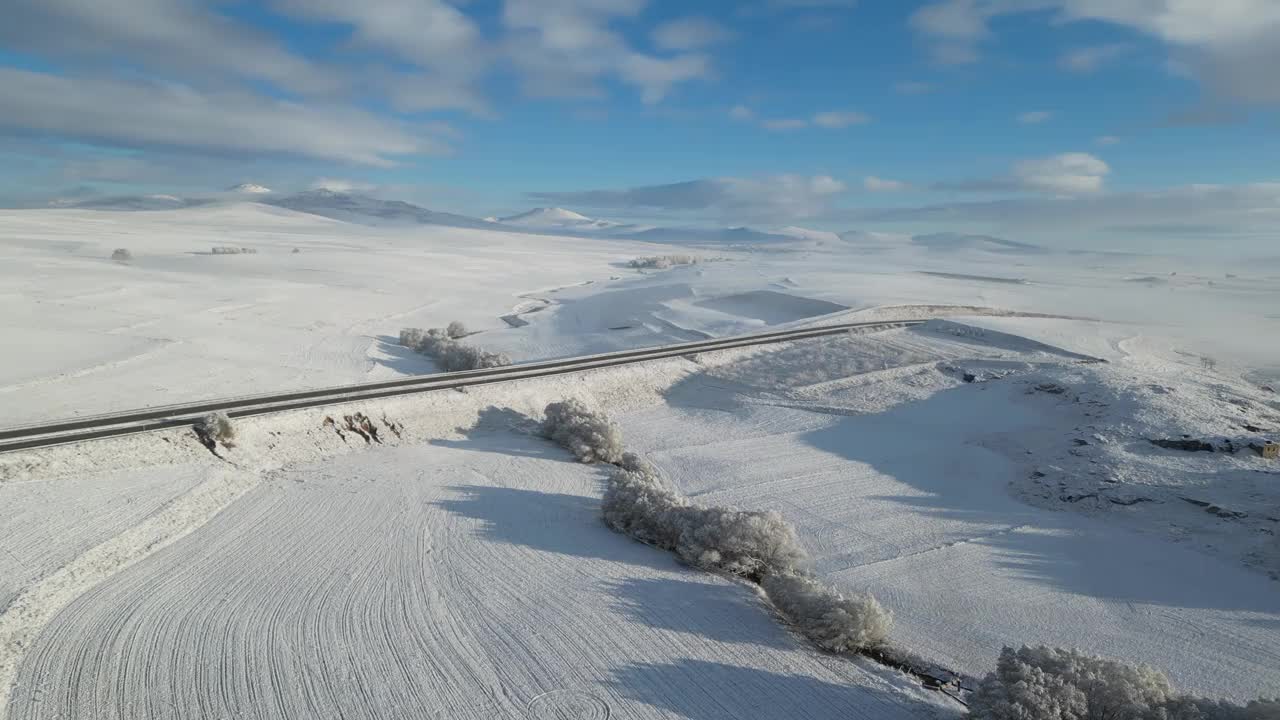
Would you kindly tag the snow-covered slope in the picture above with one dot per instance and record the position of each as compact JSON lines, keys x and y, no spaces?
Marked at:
{"x":987,"y":488}
{"x":132,"y":202}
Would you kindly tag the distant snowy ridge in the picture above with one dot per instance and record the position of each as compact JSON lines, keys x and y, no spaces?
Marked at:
{"x":370,"y":211}
{"x":366,"y":210}
{"x":960,"y":241}
{"x":249,"y":188}
{"x":130,"y":202}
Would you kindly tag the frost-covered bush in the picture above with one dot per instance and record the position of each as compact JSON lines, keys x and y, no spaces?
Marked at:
{"x":753,"y":544}
{"x":589,"y":435}
{"x":758,"y":545}
{"x":121,"y":255}
{"x":1056,"y":684}
{"x":1044,"y":683}
{"x":662,"y":262}
{"x":639,"y":504}
{"x":451,"y":354}
{"x":410,"y":337}
{"x":456,"y":329}
{"x":218,"y":427}
{"x":748,"y":543}
{"x":827,"y":617}
{"x":231,"y":250}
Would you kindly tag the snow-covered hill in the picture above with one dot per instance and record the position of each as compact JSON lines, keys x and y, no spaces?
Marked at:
{"x":130,"y":202}
{"x":365,"y":210}
{"x":249,"y":188}
{"x":557,"y":218}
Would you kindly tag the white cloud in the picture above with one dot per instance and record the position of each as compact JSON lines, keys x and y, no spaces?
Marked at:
{"x":167,"y":115}
{"x":1089,"y":59}
{"x":836,"y":119}
{"x":741,"y":112}
{"x":1107,"y":140}
{"x":655,"y":76}
{"x":876,"y":184}
{"x":1064,"y":174}
{"x":690,"y":33}
{"x":784,"y":124}
{"x":770,"y":198}
{"x":161,"y":35}
{"x":1069,"y":173}
{"x":1230,"y":46}
{"x":562,"y":48}
{"x":1034,"y":117}
{"x":1249,"y":212}
{"x":428,"y":35}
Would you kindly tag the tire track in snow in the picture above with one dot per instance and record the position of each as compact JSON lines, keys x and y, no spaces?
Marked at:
{"x":28,"y":614}
{"x":433,"y":581}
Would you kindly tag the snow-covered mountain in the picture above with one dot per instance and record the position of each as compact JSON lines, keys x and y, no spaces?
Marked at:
{"x":366,"y":210}
{"x":557,"y":218}
{"x":249,"y":188}
{"x":819,"y":236}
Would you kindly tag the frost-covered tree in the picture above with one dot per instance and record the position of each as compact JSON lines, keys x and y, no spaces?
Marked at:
{"x":589,"y":435}
{"x":830,"y":619}
{"x":121,"y":255}
{"x":1043,"y":683}
{"x":456,"y":329}
{"x":448,"y":352}
{"x":747,"y":543}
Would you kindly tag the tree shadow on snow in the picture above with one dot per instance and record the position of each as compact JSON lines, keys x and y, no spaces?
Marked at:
{"x":515,"y":434}
{"x":403,"y":360}
{"x":703,"y":690}
{"x":933,"y":446}
{"x":550,"y":522}
{"x":718,"y":611}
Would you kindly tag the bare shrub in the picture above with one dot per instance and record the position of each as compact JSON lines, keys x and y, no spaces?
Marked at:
{"x":232,"y":250}
{"x":662,"y":262}
{"x":827,"y":617}
{"x":1043,"y":683}
{"x":456,"y":329}
{"x":589,"y":435}
{"x":121,"y":255}
{"x":218,"y":428}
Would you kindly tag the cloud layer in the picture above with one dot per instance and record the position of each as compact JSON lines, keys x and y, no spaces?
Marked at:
{"x":776,"y":196}
{"x":1230,"y":46}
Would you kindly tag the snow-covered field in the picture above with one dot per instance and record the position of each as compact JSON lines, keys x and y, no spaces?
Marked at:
{"x":981,"y":475}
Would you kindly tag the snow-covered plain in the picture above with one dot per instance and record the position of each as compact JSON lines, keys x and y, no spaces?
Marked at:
{"x":980,"y":474}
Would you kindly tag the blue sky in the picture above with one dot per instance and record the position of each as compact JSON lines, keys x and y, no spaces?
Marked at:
{"x":1116,"y":123}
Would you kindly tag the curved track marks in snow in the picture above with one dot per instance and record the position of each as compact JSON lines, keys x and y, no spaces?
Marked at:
{"x":433,"y":581}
